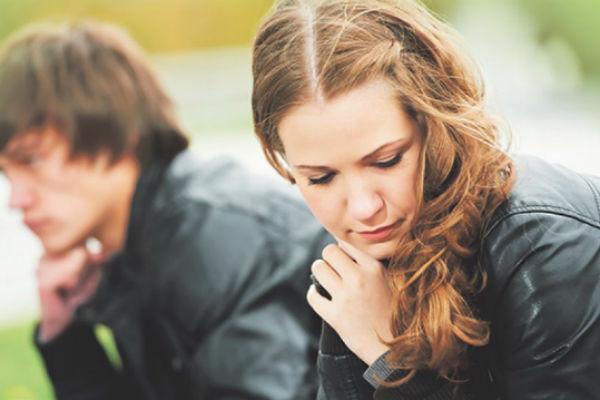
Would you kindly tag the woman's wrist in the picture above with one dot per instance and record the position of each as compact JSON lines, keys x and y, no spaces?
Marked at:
{"x":372,"y":352}
{"x":331,"y":343}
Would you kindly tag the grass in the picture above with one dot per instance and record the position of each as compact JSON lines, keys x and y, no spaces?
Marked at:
{"x":22,"y":375}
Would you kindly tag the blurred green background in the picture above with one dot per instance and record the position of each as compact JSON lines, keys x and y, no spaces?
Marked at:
{"x":201,"y":50}
{"x":176,"y":25}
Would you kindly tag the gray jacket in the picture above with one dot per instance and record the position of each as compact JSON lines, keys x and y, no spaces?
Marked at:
{"x":207,"y":299}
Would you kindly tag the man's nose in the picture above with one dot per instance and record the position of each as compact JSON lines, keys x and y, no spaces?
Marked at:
{"x":22,"y":195}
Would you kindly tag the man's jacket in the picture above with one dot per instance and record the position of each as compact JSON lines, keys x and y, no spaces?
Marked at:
{"x":207,"y":299}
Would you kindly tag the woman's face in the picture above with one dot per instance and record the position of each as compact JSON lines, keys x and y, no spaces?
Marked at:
{"x":355,"y":160}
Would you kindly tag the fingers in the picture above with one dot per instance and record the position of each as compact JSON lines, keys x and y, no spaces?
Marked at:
{"x":65,"y":272}
{"x":65,"y":281}
{"x":344,"y":269}
{"x":343,"y":265}
{"x":360,"y":306}
{"x":326,"y":277}
{"x":318,"y":303}
{"x":359,"y":256}
{"x":330,"y":281}
{"x":86,"y":287}
{"x":65,"y":269}
{"x":96,"y":258}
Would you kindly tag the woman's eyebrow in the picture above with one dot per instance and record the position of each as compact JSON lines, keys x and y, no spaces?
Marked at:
{"x":368,"y":157}
{"x":384,"y":146}
{"x":320,"y":168}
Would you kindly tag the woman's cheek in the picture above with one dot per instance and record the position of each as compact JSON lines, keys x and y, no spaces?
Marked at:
{"x":326,"y":210}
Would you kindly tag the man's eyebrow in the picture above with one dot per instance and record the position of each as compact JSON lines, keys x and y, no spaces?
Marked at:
{"x":19,"y":150}
{"x":368,"y":157}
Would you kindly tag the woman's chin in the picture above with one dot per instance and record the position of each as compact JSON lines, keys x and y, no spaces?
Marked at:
{"x":379,"y":251}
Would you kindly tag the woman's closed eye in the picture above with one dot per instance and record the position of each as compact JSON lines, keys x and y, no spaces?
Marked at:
{"x":384,"y":163}
{"x":388,"y":162}
{"x":321,"y":179}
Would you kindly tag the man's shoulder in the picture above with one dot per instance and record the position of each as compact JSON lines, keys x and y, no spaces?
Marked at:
{"x":224,"y":186}
{"x":221,"y":207}
{"x":218,"y":235}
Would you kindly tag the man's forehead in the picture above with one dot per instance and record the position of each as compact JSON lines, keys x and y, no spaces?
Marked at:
{"x":33,"y":139}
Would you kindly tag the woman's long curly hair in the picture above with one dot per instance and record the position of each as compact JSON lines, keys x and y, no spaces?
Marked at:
{"x":310,"y":49}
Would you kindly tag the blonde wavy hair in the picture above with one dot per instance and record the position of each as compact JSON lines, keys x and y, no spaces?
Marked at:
{"x":305,"y":49}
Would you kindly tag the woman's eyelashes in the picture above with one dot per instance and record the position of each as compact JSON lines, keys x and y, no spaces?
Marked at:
{"x":388,"y":162}
{"x":381,"y":164}
{"x":321,"y":179}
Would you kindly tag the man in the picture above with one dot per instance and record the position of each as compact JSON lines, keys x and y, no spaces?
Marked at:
{"x":201,"y":269}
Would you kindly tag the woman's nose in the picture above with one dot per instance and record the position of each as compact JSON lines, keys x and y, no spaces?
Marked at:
{"x":364,"y":203}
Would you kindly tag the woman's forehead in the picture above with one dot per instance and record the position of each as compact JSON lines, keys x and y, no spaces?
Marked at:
{"x":357,"y":123}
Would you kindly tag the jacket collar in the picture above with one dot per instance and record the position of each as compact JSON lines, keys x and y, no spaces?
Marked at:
{"x":121,"y":273}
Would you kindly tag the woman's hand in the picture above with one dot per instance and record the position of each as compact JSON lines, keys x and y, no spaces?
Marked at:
{"x":360,"y":308}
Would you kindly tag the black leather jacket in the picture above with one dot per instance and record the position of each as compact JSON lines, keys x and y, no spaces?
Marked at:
{"x":207,"y":300}
{"x":542,"y":254}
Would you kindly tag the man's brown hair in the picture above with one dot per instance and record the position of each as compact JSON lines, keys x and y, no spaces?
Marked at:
{"x":94,"y":84}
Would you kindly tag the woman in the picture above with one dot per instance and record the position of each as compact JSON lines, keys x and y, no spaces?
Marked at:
{"x":459,"y":272}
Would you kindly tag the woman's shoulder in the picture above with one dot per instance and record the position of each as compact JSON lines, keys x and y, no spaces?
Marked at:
{"x":542,"y":258}
{"x":546,"y":233}
{"x":545,"y":188}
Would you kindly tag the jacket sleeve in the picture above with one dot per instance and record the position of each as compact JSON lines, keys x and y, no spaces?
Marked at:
{"x":78,"y":367}
{"x":544,"y":303}
{"x":340,"y":370}
{"x":235,"y":296}
{"x":343,"y":376}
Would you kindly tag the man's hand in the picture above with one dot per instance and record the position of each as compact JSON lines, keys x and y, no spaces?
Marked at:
{"x":360,"y":309}
{"x":65,"y":282}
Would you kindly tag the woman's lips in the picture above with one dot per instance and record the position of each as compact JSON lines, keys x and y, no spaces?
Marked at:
{"x":379,"y":234}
